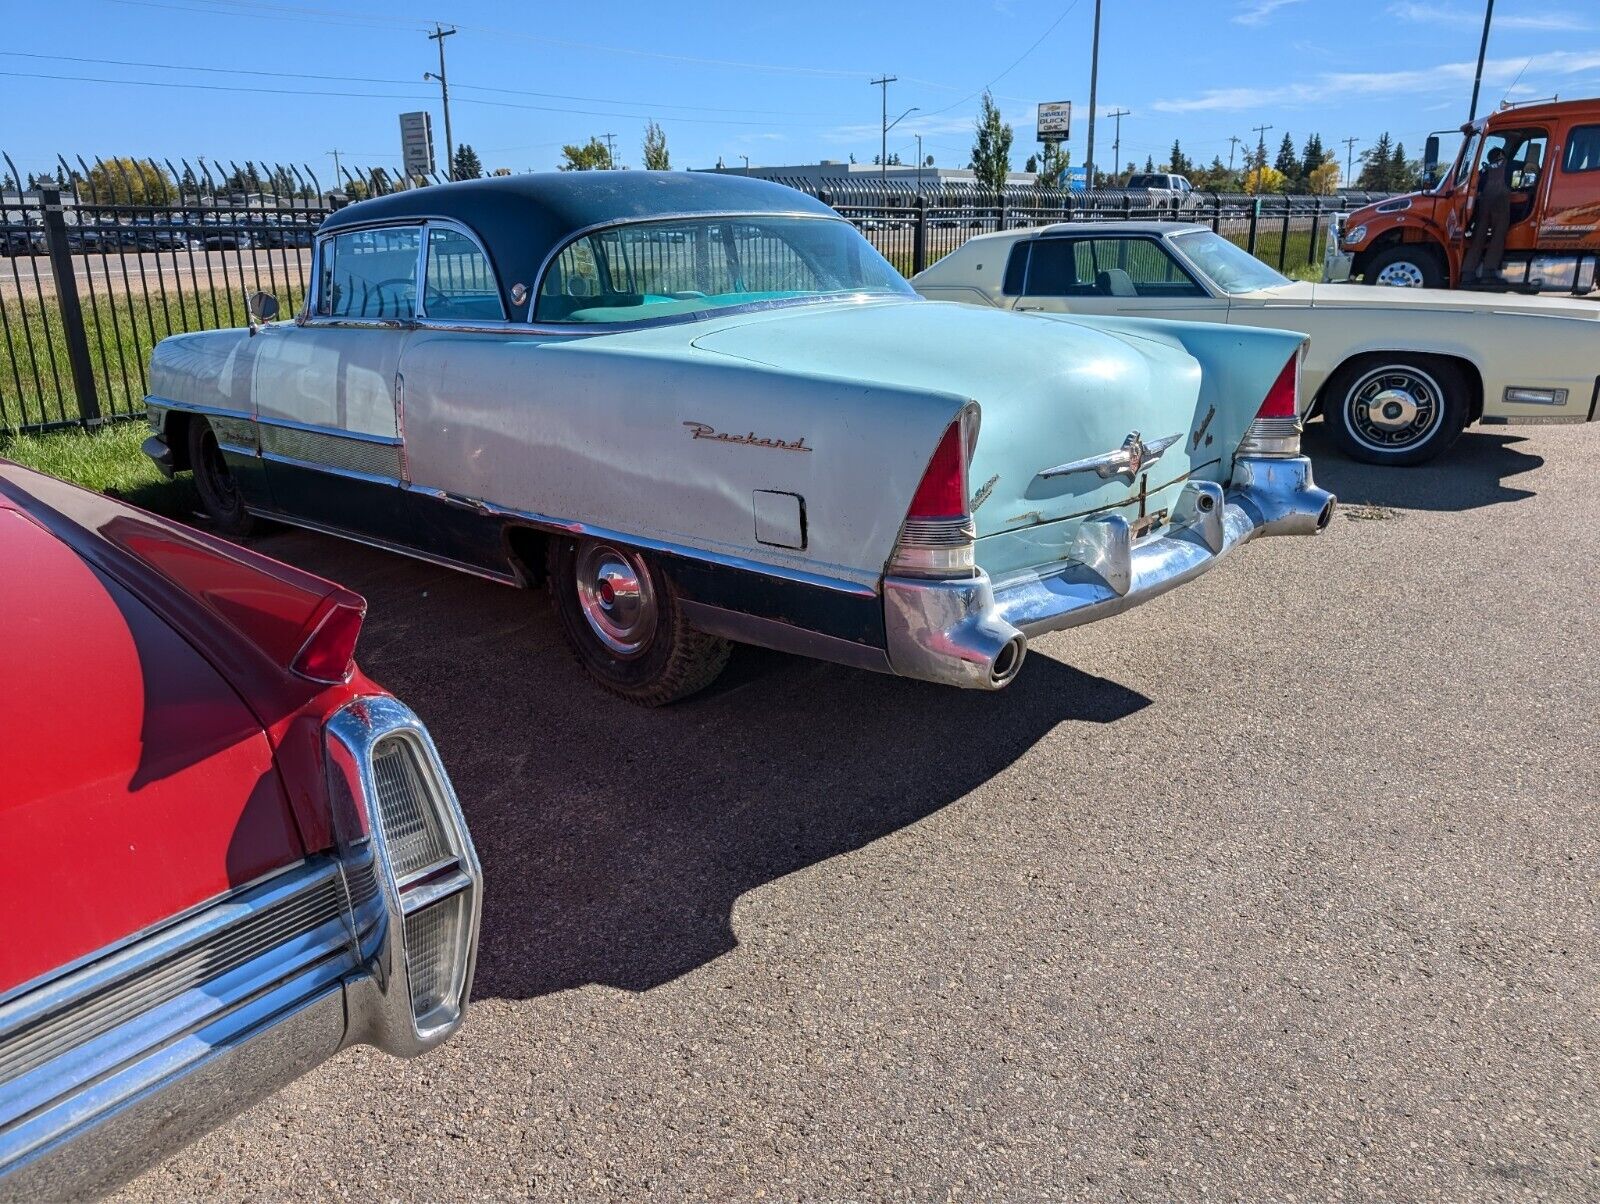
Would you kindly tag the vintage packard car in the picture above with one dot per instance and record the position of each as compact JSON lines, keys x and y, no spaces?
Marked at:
{"x":703,"y":409}
{"x":226,"y":854}
{"x":1397,"y":374}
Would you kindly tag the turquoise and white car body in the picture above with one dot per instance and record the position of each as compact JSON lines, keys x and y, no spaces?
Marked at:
{"x":773,"y":452}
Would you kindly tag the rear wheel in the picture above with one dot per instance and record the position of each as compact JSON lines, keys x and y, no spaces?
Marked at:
{"x":1409,"y":265}
{"x":621,"y":617}
{"x":215,"y":482}
{"x":1397,"y":408}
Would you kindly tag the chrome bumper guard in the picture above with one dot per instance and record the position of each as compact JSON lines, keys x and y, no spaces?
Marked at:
{"x":973,"y":633}
{"x":137,"y":1051}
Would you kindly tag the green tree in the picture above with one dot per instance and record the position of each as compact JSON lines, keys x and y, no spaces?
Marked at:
{"x":1377,"y":166}
{"x":1178,"y":162}
{"x":1051,"y":166}
{"x":1404,"y":174}
{"x":466,"y":165}
{"x":991,"y":147}
{"x":655,"y":149}
{"x":1287,"y":162}
{"x":1149,"y":163}
{"x":593,"y":155}
{"x":130,"y":181}
{"x":1313,"y":157}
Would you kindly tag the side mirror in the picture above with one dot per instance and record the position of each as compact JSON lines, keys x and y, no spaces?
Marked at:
{"x":1430,"y":160}
{"x":263,"y":307}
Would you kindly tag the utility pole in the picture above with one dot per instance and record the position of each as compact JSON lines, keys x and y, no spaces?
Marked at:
{"x":1349,"y":159}
{"x":1261,"y":144}
{"x":611,"y":149}
{"x":1483,"y":48}
{"x":439,"y":34}
{"x":919,"y":164}
{"x":746,"y":159}
{"x":1094,"y":80}
{"x":1116,"y":144}
{"x":883,"y":149}
{"x":336,"y":184}
{"x":1233,"y":145}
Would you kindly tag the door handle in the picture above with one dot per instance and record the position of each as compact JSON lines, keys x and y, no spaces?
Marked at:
{"x":1028,"y":308}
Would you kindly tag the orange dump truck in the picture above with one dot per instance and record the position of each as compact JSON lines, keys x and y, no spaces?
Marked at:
{"x":1552,"y":160}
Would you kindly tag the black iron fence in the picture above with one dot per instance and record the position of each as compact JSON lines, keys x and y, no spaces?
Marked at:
{"x":106,"y":259}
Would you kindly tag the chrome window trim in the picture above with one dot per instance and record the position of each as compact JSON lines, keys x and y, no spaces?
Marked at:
{"x":1161,"y":241}
{"x":446,"y":223}
{"x":309,"y":316}
{"x":659,"y":219}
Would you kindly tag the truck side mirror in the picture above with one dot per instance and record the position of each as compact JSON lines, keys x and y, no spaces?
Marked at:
{"x":1430,"y":161}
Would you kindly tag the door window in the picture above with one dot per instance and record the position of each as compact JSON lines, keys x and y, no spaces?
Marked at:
{"x":1106,"y":267}
{"x":369,"y":274}
{"x":461,"y":284}
{"x":1583,"y":149}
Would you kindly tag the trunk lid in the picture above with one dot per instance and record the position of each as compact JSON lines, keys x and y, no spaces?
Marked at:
{"x":1052,"y":390}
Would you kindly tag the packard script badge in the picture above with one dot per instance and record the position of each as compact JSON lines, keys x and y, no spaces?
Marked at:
{"x":699,"y":430}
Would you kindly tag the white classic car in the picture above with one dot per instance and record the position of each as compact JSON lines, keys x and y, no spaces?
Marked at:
{"x":1398,"y":374}
{"x":703,"y":409}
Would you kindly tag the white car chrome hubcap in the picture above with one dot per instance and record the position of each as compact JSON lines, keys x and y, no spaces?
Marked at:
{"x":614,"y":592}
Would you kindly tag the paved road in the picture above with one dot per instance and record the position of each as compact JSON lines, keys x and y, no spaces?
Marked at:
{"x":1284,"y":886}
{"x":117,"y":273}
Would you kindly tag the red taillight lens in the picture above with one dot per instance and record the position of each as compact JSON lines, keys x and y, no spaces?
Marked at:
{"x":942,"y":492}
{"x":329,"y":652}
{"x":1283,"y":399}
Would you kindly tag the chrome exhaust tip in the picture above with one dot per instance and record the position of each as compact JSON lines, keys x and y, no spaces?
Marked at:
{"x":1007,"y":662}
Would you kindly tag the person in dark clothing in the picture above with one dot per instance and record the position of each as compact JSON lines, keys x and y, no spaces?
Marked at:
{"x":1491,"y":220}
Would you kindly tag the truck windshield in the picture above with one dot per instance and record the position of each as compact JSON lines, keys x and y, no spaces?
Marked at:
{"x":645,"y":271}
{"x":1231,"y":268}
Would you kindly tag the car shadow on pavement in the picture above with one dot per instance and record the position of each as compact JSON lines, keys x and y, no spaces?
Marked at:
{"x":1469,"y":475}
{"x":616,"y":840}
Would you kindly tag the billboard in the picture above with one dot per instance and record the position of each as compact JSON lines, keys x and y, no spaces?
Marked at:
{"x":1055,"y":121}
{"x":1077,"y":179}
{"x":416,"y":143}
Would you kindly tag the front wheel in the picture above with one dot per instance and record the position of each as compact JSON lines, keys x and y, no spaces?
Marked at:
{"x":1409,"y":265}
{"x":621,"y":617}
{"x":1396,"y":409}
{"x":215,"y":482}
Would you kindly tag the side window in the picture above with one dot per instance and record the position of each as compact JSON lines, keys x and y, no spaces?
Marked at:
{"x":369,"y":274}
{"x":1016,"y":268}
{"x":1583,"y":149}
{"x":1107,"y":267}
{"x":461,"y":284}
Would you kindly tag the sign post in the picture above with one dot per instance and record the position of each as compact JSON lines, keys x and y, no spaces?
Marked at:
{"x":416,"y":144}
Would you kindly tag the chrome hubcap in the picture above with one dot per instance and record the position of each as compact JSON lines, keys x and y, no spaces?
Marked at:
{"x":614,"y":592}
{"x":1401,"y":274}
{"x":1393,"y":408}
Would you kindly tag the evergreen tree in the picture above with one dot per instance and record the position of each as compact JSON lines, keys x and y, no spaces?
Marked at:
{"x":1377,"y":166}
{"x":991,"y":147}
{"x":1404,"y":175}
{"x":1149,"y":163}
{"x":1314,"y":156}
{"x":655,"y":149}
{"x":1287,"y":161}
{"x":1178,"y":162}
{"x":466,"y":165}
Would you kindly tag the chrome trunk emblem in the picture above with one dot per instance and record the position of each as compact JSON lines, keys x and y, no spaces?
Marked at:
{"x":1129,"y":460}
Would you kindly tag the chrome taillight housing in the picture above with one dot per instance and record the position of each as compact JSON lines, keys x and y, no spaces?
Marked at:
{"x":404,"y":827}
{"x":938,"y":537}
{"x":1277,"y":427}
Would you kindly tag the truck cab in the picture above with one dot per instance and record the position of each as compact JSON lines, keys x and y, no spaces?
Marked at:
{"x":1419,"y":240}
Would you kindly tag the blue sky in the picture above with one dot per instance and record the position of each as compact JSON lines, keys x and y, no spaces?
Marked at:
{"x":781,"y":83}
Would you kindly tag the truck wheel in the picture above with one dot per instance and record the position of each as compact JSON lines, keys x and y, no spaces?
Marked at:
{"x":1406,"y":266}
{"x":621,"y":617}
{"x":1397,"y":408}
{"x":214,"y":480}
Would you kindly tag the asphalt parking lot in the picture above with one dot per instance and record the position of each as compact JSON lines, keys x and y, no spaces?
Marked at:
{"x":1284,"y":886}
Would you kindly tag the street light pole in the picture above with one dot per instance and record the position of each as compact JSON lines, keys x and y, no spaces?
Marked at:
{"x":919,"y":164}
{"x":439,"y":34}
{"x":1483,"y":48}
{"x":1094,"y":80}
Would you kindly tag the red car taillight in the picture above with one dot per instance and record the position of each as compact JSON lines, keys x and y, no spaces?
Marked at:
{"x":1277,"y":426}
{"x":329,"y":653}
{"x":937,"y":537}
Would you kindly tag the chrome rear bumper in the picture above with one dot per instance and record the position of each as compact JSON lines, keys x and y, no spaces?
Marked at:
{"x":973,"y":633}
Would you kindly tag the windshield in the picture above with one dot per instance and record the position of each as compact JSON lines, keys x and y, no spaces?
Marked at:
{"x":1231,"y":268}
{"x":650,"y":270}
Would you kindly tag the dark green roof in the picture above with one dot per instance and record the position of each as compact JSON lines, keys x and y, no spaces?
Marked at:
{"x":521,"y":219}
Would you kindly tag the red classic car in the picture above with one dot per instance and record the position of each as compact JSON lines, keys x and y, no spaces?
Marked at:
{"x":225,"y":854}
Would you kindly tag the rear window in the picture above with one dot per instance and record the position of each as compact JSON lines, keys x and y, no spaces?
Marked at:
{"x":1147,"y":181}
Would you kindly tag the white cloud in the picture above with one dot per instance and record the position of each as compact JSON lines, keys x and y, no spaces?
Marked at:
{"x":1369,"y":85}
{"x":1547,"y":22}
{"x":1256,"y":12}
